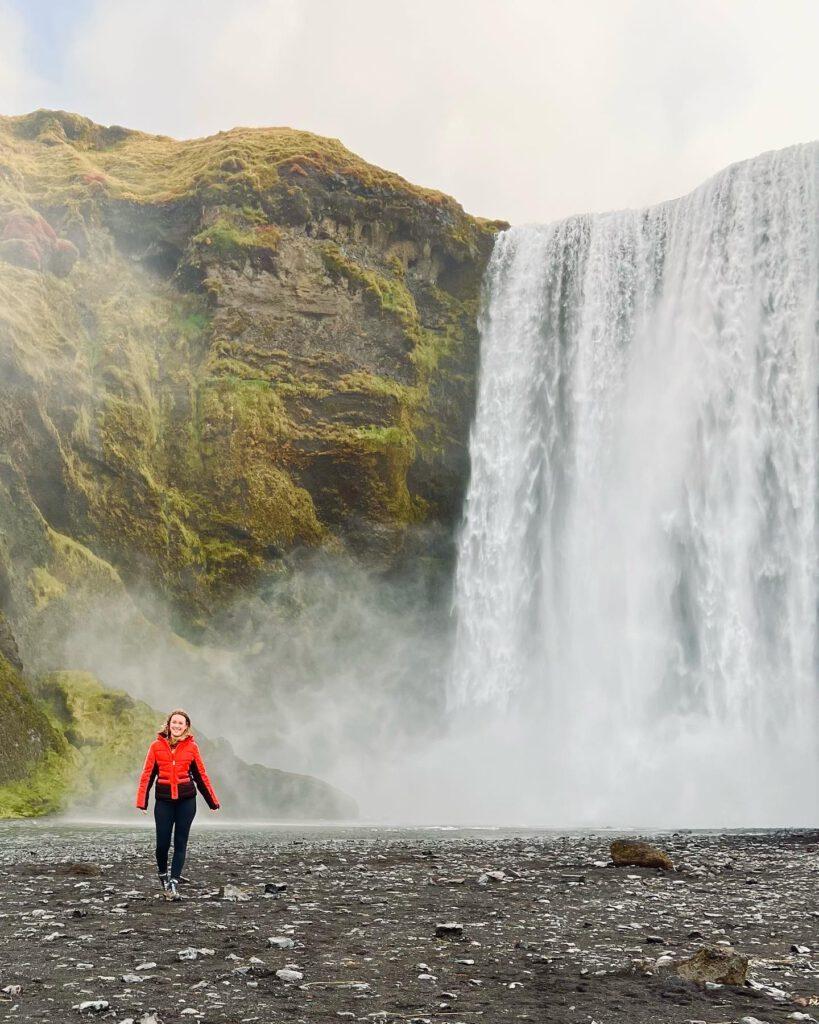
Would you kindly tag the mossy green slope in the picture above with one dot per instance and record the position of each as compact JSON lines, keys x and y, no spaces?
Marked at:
{"x":107,"y":734}
{"x":34,"y":757}
{"x":67,"y":742}
{"x":213,"y":352}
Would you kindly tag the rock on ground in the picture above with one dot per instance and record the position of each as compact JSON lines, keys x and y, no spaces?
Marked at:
{"x":628,"y":853}
{"x":715,"y":965}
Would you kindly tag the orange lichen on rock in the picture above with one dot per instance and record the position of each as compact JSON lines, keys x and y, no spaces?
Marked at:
{"x":28,"y":240}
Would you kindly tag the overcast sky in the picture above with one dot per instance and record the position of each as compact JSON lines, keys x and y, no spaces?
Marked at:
{"x":523,"y":109}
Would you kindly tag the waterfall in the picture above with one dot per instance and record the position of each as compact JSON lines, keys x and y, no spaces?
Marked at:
{"x":636,"y":585}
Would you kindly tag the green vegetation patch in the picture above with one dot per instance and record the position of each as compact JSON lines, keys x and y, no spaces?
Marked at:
{"x":227,"y":239}
{"x":107,"y":730}
{"x":388,"y":291}
{"x":34,"y":758}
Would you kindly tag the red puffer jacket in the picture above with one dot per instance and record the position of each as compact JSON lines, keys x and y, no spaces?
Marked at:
{"x":179,"y":771}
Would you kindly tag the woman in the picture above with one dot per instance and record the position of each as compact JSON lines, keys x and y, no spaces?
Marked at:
{"x":176,"y":764}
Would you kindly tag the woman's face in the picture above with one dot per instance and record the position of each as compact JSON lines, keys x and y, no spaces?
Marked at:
{"x":178,"y":725}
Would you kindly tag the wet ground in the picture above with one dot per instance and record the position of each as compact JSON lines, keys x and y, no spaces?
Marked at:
{"x":550,"y":931}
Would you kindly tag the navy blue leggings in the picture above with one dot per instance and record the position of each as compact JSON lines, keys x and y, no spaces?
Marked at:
{"x":173,"y":816}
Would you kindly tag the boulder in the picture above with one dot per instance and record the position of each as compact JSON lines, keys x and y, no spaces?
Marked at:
{"x":28,"y":240}
{"x":719,"y":966}
{"x":629,"y":853}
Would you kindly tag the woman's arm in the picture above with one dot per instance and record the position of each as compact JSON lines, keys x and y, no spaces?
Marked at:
{"x":200,"y":777}
{"x":146,"y":780}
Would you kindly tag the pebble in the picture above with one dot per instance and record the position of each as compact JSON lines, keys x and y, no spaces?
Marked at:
{"x":236,"y":893}
{"x":289,"y":976}
{"x":189,"y":953}
{"x":449,"y":930}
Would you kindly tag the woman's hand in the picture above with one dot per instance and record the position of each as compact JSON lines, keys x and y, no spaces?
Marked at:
{"x":215,"y":808}
{"x":143,"y":810}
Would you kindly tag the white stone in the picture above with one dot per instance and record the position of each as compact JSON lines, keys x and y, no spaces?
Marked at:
{"x":289,"y":976}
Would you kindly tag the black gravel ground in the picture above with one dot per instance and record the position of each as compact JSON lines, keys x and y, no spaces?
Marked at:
{"x":555,"y":934}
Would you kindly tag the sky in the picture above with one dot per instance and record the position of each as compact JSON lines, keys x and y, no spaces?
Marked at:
{"x":526,"y":110}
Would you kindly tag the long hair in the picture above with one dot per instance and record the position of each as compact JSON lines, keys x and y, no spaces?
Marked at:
{"x":166,"y":729}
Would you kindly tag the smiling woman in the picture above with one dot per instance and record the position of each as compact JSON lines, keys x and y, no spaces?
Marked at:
{"x":175,"y":763}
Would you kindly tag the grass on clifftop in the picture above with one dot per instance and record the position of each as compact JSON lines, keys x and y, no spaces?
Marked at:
{"x":59,"y":156}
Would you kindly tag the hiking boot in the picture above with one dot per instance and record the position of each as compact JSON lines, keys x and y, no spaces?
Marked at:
{"x":173,"y":890}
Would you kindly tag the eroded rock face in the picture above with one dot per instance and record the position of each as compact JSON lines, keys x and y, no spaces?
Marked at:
{"x":215,"y":352}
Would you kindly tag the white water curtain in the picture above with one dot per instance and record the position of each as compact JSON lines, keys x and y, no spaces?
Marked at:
{"x":636,"y":592}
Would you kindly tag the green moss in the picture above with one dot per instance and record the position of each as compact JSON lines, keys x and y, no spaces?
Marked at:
{"x":35,"y":764}
{"x":44,"y":791}
{"x":361,"y":380}
{"x":384,"y":437}
{"x":301,"y":388}
{"x":225,"y":238}
{"x":192,"y":325}
{"x":390,"y":292}
{"x":226,"y":563}
{"x":247,"y":404}
{"x":44,"y":587}
{"x":70,"y":571}
{"x":99,"y":739}
{"x":244,"y":429}
{"x":107,"y":729}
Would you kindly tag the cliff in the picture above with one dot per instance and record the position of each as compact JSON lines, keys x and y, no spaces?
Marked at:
{"x":212,"y":352}
{"x":215,"y":354}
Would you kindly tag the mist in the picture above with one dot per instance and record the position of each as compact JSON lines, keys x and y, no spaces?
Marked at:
{"x":334,"y":670}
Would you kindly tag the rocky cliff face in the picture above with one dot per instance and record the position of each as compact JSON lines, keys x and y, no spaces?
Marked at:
{"x":213,"y":354}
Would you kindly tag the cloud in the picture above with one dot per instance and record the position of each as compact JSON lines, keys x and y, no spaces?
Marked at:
{"x":528,"y":110}
{"x":18,"y":86}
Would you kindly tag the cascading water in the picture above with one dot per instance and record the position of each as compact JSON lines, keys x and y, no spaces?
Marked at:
{"x":636,"y":591}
